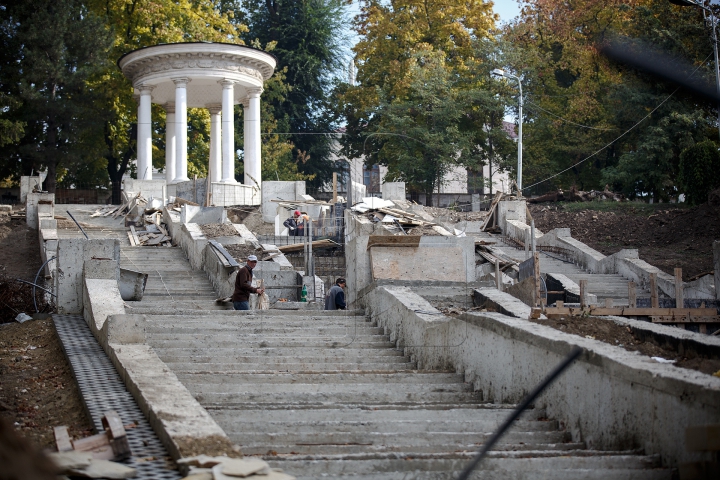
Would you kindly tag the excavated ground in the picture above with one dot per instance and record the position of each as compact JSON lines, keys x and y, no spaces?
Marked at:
{"x":37,"y":389}
{"x":667,"y":236}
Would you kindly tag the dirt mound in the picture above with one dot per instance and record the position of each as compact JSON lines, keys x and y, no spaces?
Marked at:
{"x":666,"y":236}
{"x":251,"y":217}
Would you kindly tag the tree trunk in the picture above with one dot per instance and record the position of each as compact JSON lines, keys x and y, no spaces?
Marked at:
{"x":51,"y":156}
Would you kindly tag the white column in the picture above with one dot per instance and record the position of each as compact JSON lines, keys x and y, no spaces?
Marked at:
{"x":170,"y":142}
{"x":252,"y":138}
{"x":247,"y":168}
{"x":144,"y":143}
{"x":228,"y":132}
{"x":215,"y":164}
{"x":181,"y":129}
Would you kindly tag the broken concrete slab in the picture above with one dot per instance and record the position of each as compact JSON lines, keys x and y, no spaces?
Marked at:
{"x":242,"y":467}
{"x":66,"y":461}
{"x":104,"y":469}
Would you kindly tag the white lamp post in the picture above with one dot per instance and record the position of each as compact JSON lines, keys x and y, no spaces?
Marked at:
{"x":501,"y":73}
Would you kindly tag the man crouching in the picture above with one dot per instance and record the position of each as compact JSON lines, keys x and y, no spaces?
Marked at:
{"x":243,"y":285}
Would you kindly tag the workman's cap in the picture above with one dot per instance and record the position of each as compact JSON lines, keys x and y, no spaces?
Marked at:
{"x":296,"y":213}
{"x":252,"y":258}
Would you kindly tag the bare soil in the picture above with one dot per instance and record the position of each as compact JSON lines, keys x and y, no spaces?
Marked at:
{"x":610,"y":332}
{"x":37,"y":389}
{"x":666,"y":236}
{"x":251,"y":217}
{"x":240,"y":252}
{"x":213,"y":230}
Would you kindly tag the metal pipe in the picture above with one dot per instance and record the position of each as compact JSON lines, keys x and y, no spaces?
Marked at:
{"x":572,"y":356}
{"x":36,"y":279}
{"x":38,"y":286}
{"x":76,"y":223}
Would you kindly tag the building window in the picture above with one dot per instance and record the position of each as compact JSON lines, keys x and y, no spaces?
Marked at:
{"x":371,"y":179}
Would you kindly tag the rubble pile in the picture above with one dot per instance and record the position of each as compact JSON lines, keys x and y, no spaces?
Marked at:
{"x":203,"y":467}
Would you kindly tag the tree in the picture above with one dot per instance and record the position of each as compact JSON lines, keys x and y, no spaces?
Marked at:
{"x":583,"y":110}
{"x":59,"y":46}
{"x":307,"y":38}
{"x":424,"y":99}
{"x":699,"y":167}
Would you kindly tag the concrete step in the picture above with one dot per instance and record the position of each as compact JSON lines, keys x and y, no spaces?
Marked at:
{"x":266,"y":341}
{"x":246,"y":353}
{"x":257,"y":395}
{"x":407,"y":441}
{"x":325,"y":378}
{"x":267,"y":329}
{"x":302,"y":367}
{"x":499,"y":465}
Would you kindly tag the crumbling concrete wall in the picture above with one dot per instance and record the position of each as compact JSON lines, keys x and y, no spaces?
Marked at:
{"x":611,"y":398}
{"x":278,"y":191}
{"x":191,"y":190}
{"x":148,"y":188}
{"x":39,"y":205}
{"x":28,"y":185}
{"x":202,"y":215}
{"x":71,"y":257}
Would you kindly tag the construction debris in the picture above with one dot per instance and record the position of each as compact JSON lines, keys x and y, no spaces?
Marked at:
{"x":575,"y":195}
{"x":112,"y":444}
{"x":80,"y":464}
{"x":226,"y":468}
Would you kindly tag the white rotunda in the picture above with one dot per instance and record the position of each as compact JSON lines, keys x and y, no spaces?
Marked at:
{"x":215,"y":76}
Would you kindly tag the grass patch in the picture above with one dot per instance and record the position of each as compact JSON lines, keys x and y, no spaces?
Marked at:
{"x":631,"y":208}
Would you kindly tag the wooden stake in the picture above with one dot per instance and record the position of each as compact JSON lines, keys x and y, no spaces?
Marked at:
{"x":679,"y":297}
{"x":583,"y":291}
{"x":498,"y":279}
{"x":632,"y":299}
{"x":653,"y":291}
{"x":334,"y":188}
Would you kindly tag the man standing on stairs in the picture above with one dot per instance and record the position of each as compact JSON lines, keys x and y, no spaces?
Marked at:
{"x":335,"y":299}
{"x":243,"y":285}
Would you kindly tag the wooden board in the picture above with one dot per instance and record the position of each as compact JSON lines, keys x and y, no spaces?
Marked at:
{"x":299,"y":247}
{"x":493,"y":205}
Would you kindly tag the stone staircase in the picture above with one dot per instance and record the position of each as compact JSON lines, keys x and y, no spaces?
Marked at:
{"x":613,"y":286}
{"x":327,"y":395}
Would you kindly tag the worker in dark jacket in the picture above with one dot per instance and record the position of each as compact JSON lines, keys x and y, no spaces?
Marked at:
{"x":294,"y":224}
{"x":335,"y":299}
{"x":243,"y":285}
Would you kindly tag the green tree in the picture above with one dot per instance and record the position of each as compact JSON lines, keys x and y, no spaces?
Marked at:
{"x":60,"y":45}
{"x":699,"y":167}
{"x":308,"y":40}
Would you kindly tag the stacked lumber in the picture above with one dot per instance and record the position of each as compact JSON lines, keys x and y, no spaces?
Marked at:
{"x":125,"y":209}
{"x":154,"y":235}
{"x":299,"y":247}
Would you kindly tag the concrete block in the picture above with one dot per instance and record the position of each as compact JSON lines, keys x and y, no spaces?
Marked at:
{"x":511,"y":210}
{"x":101,"y":298}
{"x":48,"y":223}
{"x":245,"y":233}
{"x":227,"y":194}
{"x":571,"y":289}
{"x":148,"y":188}
{"x":278,"y":191}
{"x":34,"y":203}
{"x":315,"y":289}
{"x":69,"y":276}
{"x":27,"y":185}
{"x":100,"y":269}
{"x":495,"y":300}
{"x":280,"y":278}
{"x":393,"y":191}
{"x":202,"y":215}
{"x":191,"y":190}
{"x":124,"y":329}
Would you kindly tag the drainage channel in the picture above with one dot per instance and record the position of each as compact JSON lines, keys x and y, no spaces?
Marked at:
{"x":102,"y":389}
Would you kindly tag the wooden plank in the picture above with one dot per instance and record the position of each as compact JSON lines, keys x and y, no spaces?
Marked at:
{"x":679,"y":297}
{"x":559,"y":304}
{"x":653,"y":291}
{"x":334,"y":187}
{"x":134,"y":234}
{"x":496,"y":199}
{"x":131,"y":239}
{"x":583,"y":293}
{"x":639,"y":312}
{"x":632,"y":297}
{"x":62,"y":439}
{"x":297,"y":247}
{"x":97,"y":445}
{"x":682,"y":320}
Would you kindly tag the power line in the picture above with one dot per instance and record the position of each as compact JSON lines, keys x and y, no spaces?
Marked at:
{"x":566,"y":120}
{"x":619,"y":137}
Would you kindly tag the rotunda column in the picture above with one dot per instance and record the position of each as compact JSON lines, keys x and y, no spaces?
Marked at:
{"x":170,"y":142}
{"x":253,"y":165}
{"x":215,"y":163}
{"x":181,"y":129}
{"x":228,"y":131}
{"x":246,"y":134}
{"x":144,"y":140}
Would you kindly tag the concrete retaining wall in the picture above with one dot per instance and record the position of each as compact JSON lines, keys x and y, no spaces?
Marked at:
{"x":278,"y":191}
{"x":148,"y":188}
{"x":611,"y":398}
{"x":226,"y":194}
